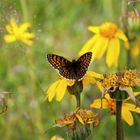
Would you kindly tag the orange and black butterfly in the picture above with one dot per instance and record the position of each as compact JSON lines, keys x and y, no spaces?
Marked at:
{"x":74,"y":70}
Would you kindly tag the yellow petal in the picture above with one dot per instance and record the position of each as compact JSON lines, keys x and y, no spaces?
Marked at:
{"x":107,"y":96}
{"x":121,"y":35}
{"x":13,"y":24}
{"x":131,"y":107}
{"x":94,"y":29}
{"x":88,"y":45}
{"x":56,"y":138}
{"x":24,"y":26}
{"x":61,"y":88}
{"x":70,"y":82}
{"x":100,"y":86}
{"x":127,"y":116}
{"x":28,"y":35}
{"x":135,"y":94}
{"x":95,"y":74}
{"x":9,"y":38}
{"x":104,"y":48}
{"x":9,"y":29}
{"x":87,"y":80}
{"x":113,"y":52}
{"x":51,"y":91}
{"x":90,"y":76}
{"x":99,"y":46}
{"x":117,"y":52}
{"x":99,"y":104}
{"x":80,"y":119}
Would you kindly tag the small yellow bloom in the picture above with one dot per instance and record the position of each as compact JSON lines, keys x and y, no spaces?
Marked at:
{"x":106,"y":38}
{"x":18,"y":33}
{"x":56,"y":138}
{"x":59,"y":87}
{"x":110,"y":104}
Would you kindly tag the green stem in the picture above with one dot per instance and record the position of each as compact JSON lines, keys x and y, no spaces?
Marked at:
{"x":119,"y":127}
{"x":78,"y":100}
{"x":24,"y":9}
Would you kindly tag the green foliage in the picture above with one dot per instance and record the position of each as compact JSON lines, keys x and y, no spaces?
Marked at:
{"x":60,"y":27}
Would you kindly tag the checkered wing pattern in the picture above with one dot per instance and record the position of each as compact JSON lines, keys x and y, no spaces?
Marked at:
{"x":83,"y":63}
{"x":58,"y":62}
{"x":71,"y":70}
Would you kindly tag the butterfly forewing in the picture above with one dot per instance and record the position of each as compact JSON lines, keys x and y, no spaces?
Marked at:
{"x":58,"y":62}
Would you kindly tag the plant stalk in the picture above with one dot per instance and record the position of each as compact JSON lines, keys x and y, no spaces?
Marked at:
{"x":78,"y":100}
{"x":119,"y":127}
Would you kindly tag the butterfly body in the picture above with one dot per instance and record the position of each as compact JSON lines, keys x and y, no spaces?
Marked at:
{"x":72,"y":70}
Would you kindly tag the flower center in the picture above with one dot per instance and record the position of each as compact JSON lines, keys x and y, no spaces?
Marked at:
{"x":130,"y":78}
{"x":110,"y":80}
{"x":108,"y":30}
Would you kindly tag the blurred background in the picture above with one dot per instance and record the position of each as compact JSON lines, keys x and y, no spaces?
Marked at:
{"x":60,"y":27}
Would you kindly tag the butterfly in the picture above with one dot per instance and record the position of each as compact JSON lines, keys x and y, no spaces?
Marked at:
{"x":72,"y":70}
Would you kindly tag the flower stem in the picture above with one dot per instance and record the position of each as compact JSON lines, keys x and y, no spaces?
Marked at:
{"x":78,"y":100}
{"x":76,"y":90}
{"x":119,"y":127}
{"x":24,"y":9}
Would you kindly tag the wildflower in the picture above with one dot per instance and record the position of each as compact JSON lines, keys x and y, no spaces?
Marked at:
{"x":56,"y":138}
{"x":106,"y":38}
{"x":109,"y":103}
{"x":78,"y":123}
{"x":18,"y":33}
{"x":59,"y":87}
{"x":82,"y":116}
{"x":121,"y":81}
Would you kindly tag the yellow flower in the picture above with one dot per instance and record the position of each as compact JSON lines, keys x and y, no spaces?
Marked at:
{"x":78,"y":123}
{"x":18,"y":33}
{"x":56,"y":138}
{"x":82,"y":116}
{"x":106,"y":38}
{"x":110,"y":104}
{"x":123,"y":81}
{"x":59,"y":87}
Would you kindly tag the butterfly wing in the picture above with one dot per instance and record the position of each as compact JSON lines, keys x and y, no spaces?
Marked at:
{"x":58,"y":62}
{"x":63,"y":66}
{"x":83,"y":64}
{"x":70,"y":70}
